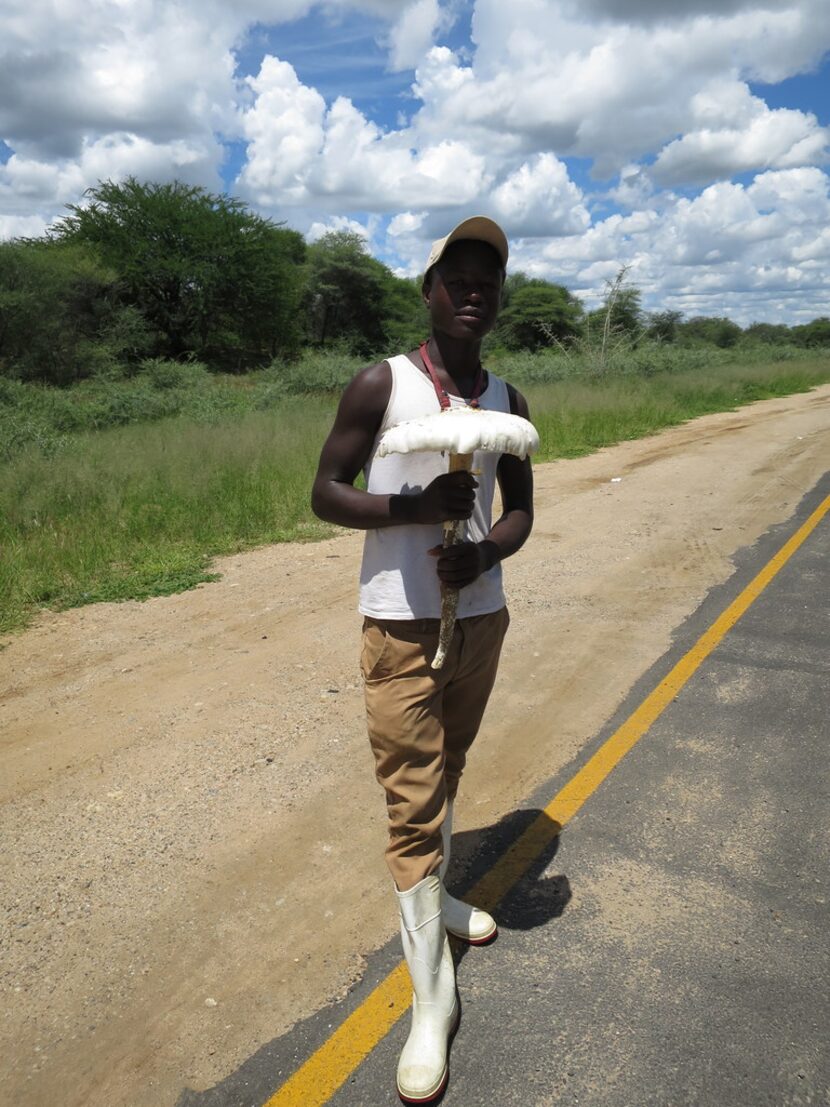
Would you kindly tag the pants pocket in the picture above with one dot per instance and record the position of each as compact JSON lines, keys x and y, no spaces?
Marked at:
{"x":375,"y":648}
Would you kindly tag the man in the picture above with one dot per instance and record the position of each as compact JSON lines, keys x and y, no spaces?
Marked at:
{"x":422,"y":721}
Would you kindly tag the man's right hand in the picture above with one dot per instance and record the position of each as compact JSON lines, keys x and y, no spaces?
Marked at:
{"x":450,"y":496}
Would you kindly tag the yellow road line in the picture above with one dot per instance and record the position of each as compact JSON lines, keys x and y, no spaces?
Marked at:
{"x":330,"y":1066}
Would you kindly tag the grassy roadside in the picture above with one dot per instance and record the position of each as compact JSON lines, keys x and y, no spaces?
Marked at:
{"x":140,"y":510}
{"x":577,"y":417}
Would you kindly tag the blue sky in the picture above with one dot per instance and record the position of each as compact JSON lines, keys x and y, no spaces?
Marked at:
{"x":806,"y":92}
{"x":687,"y":141}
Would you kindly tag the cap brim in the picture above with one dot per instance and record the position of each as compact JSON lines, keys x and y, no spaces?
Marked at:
{"x":478,"y":228}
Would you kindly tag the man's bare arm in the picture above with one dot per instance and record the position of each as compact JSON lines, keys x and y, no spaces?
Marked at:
{"x":346,"y":451}
{"x":515,"y":477}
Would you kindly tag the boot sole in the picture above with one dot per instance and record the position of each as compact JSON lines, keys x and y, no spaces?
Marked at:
{"x":485,"y":941}
{"x":430,"y":1097}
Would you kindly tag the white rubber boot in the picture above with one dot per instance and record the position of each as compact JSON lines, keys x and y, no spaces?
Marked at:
{"x":470,"y":923}
{"x":423,"y":1069}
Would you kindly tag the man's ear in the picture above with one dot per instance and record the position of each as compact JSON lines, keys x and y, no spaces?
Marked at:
{"x":426,"y":285}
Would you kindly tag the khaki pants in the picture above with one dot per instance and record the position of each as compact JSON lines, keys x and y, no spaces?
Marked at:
{"x":422,"y":722}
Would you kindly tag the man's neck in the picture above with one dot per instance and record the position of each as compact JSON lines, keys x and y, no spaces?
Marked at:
{"x":457,"y":359}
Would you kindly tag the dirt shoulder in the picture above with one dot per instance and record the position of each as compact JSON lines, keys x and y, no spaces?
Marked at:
{"x":192,"y":834}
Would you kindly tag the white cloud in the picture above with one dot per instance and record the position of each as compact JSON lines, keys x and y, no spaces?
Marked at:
{"x":337,"y":223}
{"x":750,"y":252}
{"x":773,"y":139}
{"x":284,"y":128}
{"x":798,"y":195}
{"x":155,"y":70}
{"x":412,"y":35}
{"x":548,"y":76}
{"x":539,"y":199}
{"x":302,"y":153}
{"x":654,"y":96}
{"x":46,"y":187}
{"x":21,"y":226}
{"x":658,"y":11}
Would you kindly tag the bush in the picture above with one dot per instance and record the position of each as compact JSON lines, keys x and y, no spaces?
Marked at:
{"x":164,"y":374}
{"x":62,"y":318}
{"x":323,"y":371}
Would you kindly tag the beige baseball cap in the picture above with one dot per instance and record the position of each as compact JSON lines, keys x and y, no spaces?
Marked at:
{"x":477,"y":227}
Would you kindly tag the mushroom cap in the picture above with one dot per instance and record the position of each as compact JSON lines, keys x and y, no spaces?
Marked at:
{"x":462,"y":430}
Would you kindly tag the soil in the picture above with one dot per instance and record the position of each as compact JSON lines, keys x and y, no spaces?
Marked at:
{"x":192,"y":833}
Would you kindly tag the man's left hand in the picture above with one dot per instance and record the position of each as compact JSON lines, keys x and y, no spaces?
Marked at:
{"x":460,"y":565}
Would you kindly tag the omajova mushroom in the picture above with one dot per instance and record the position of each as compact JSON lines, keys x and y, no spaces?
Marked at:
{"x":461,"y":433}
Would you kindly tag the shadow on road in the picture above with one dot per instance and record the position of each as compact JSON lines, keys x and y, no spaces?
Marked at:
{"x":505,"y":862}
{"x":532,"y":898}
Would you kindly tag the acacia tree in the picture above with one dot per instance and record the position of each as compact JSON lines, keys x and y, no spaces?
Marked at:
{"x":345,"y":293}
{"x":537,"y":313}
{"x":662,"y":325}
{"x":353,"y":299}
{"x":769,"y":334}
{"x":716,"y":330}
{"x":406,"y":321}
{"x":513,"y":282}
{"x":816,"y":333}
{"x":213,"y":279}
{"x":621,"y":314}
{"x":60,"y":315}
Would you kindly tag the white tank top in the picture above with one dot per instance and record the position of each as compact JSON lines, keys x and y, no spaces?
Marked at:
{"x":398,"y":578}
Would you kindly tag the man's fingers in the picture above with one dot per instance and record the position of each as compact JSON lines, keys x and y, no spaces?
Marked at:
{"x":461,"y":479}
{"x":461,"y":498}
{"x":458,"y":565}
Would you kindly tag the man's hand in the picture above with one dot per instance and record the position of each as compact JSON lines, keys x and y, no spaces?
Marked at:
{"x":450,"y":496}
{"x":460,"y":565}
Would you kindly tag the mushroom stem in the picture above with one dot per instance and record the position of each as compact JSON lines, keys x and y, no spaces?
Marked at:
{"x":454,"y":531}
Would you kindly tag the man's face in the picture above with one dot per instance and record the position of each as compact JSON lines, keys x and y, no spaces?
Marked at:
{"x":464,"y":290}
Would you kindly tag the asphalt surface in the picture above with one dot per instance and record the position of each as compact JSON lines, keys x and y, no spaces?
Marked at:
{"x":673,"y":945}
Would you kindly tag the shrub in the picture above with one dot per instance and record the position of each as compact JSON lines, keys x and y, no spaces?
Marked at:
{"x":62,"y":319}
{"x":164,"y":374}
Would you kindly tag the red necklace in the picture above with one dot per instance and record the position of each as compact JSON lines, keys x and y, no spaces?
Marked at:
{"x":440,"y":391}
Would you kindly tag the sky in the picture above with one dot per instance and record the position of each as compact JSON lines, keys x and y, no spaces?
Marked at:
{"x":686,"y":139}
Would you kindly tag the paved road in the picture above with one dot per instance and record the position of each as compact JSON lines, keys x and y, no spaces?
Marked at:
{"x":673,"y":945}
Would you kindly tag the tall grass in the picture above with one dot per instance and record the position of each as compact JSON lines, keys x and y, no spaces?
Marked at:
{"x":45,"y":418}
{"x":575,"y":417}
{"x":138,"y":510}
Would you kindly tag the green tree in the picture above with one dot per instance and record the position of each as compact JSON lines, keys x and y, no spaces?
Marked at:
{"x":354,"y":299}
{"x":213,"y":279}
{"x":406,"y":321}
{"x":714,"y":330}
{"x":345,"y":293}
{"x":770,"y":334}
{"x":537,"y":314}
{"x":513,"y":282}
{"x":662,"y":325}
{"x":816,"y":333}
{"x":61,"y":318}
{"x":620,"y":314}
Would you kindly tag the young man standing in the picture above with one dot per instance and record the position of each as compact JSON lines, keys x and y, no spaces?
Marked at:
{"x":423,"y":721}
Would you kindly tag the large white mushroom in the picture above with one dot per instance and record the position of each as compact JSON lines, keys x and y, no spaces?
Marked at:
{"x":459,"y":431}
